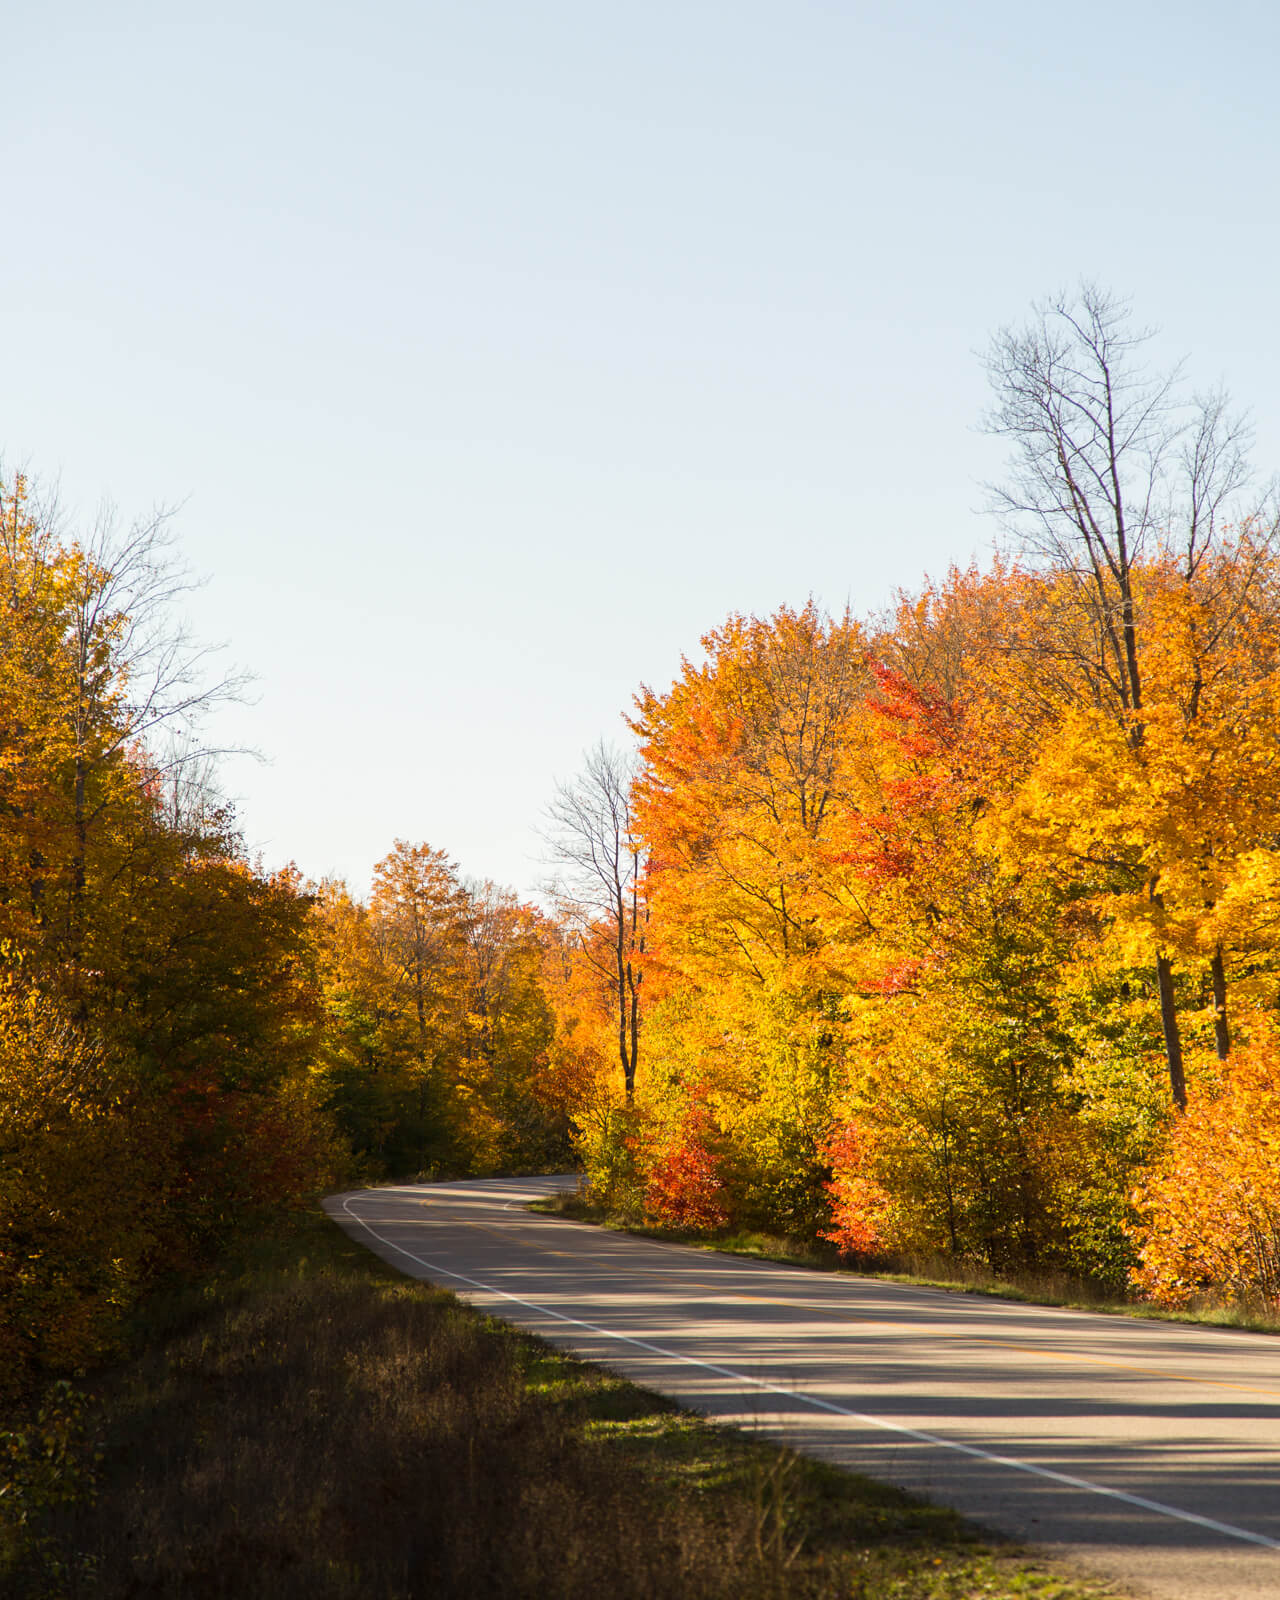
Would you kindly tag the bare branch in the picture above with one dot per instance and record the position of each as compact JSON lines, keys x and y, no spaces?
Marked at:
{"x":591,"y":838}
{"x":1110,"y":464}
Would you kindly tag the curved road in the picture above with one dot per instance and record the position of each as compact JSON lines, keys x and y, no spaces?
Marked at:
{"x":1140,"y":1451}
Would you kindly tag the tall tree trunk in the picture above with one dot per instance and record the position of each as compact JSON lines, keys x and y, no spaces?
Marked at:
{"x":1172,"y":1038}
{"x":633,"y":985}
{"x":952,"y":1231}
{"x":620,"y":958}
{"x":79,"y":863}
{"x":634,"y":978}
{"x":39,"y":907}
{"x":420,"y":1007}
{"x":1221,"y":1032}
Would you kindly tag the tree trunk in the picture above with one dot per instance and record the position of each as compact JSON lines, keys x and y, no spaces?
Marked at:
{"x":79,"y":862}
{"x":1221,"y":1032}
{"x":624,"y":1055}
{"x":1172,"y":1038}
{"x":633,"y":985}
{"x":39,"y":908}
{"x":420,"y":1007}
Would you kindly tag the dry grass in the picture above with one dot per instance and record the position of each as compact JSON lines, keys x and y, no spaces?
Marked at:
{"x":315,"y":1425}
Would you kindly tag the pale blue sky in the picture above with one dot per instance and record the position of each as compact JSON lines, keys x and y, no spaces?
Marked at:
{"x":496,"y":352}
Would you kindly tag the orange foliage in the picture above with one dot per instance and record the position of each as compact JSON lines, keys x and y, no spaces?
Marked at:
{"x":684,"y":1187}
{"x":742,"y":759}
{"x":858,"y":1201}
{"x":1211,"y":1205}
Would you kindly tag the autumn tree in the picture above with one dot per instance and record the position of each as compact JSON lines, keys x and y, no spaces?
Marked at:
{"x":963,"y":1126}
{"x":158,"y":1001}
{"x":95,"y":635}
{"x":744,"y":759}
{"x":437,"y":1025}
{"x":1112,"y":466}
{"x":741,"y":764}
{"x":514,"y":1114}
{"x":73,"y":1238}
{"x":848,"y":957}
{"x":402,"y":971}
{"x":600,"y":888}
{"x":417,"y":907}
{"x":359,"y":1061}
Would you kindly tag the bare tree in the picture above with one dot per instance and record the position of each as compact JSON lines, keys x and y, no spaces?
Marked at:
{"x":140,"y":680}
{"x":186,"y":772}
{"x":599,"y":887}
{"x":1112,"y":463}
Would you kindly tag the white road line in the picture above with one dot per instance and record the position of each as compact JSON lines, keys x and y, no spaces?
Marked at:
{"x":829,"y":1406}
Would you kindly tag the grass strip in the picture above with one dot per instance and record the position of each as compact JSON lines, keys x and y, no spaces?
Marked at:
{"x":310,"y":1423}
{"x":938,"y":1272}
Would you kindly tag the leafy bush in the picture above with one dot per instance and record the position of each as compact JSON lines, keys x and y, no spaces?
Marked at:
{"x":1211,"y":1206}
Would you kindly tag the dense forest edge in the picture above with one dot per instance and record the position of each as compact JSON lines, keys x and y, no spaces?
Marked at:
{"x":947,"y":933}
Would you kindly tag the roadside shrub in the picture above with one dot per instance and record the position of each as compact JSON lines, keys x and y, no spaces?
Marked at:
{"x":858,"y":1203}
{"x":1211,"y":1206}
{"x":684,"y":1188}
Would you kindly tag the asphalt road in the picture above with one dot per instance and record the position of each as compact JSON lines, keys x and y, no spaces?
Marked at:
{"x":1140,"y":1451}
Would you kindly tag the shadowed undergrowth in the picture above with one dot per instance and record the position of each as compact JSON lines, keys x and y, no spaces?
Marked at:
{"x":314,"y":1425}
